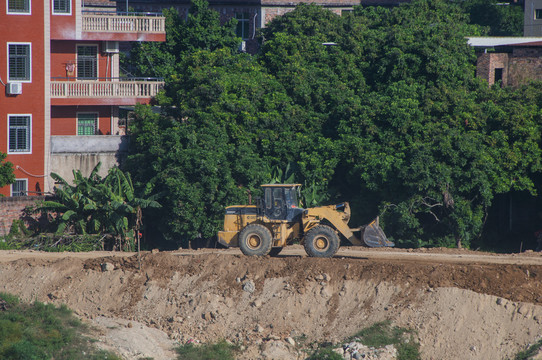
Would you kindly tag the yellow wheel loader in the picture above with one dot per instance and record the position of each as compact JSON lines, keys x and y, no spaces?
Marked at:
{"x":277,"y":220}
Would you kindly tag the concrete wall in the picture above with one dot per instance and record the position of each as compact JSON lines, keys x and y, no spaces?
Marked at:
{"x":531,"y":25}
{"x":85,"y":152}
{"x":64,"y":164}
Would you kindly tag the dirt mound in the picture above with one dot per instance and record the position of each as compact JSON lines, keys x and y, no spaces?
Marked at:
{"x":463,"y":304}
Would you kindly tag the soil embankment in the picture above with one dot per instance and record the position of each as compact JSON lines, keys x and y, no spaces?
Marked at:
{"x":464,"y":305}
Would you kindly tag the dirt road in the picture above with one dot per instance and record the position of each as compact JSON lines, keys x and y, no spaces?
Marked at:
{"x":463,"y":304}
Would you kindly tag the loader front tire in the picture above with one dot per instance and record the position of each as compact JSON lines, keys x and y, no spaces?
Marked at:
{"x":321,"y":241}
{"x":255,"y":240}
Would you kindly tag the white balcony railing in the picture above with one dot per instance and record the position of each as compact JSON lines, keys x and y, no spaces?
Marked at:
{"x":104,"y":89}
{"x":120,"y":23}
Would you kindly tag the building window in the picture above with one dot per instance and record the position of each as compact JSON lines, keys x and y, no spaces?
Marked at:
{"x":19,"y":133}
{"x":18,"y":6}
{"x":62,"y":7}
{"x":538,"y":14}
{"x":242,"y":25}
{"x":19,"y":187}
{"x":87,"y":62}
{"x":19,"y":62}
{"x":87,"y":123}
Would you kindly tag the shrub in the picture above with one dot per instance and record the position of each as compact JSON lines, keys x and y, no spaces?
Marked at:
{"x":219,"y":351}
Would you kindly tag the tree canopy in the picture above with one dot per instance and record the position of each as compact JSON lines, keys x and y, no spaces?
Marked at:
{"x":391,"y":117}
{"x":6,"y":171}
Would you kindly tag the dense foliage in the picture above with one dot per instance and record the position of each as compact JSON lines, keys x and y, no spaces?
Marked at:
{"x":500,"y":18}
{"x":6,"y":171}
{"x":390,"y":117}
{"x":200,"y":30}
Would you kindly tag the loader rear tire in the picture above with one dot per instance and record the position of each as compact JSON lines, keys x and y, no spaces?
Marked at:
{"x":321,"y":241}
{"x":255,"y":240}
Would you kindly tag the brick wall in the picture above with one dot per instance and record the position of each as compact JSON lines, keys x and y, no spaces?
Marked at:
{"x":519,"y":67}
{"x":12,"y":208}
{"x":488,"y":62}
{"x":524,"y":65}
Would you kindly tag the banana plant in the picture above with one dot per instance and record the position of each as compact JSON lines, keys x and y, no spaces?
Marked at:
{"x":94,"y":205}
{"x":312,"y":193}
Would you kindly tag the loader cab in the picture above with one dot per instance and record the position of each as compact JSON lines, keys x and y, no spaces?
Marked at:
{"x":280,"y":202}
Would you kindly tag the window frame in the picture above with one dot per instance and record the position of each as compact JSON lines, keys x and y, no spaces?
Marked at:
{"x":61,"y":13}
{"x":77,"y":62}
{"x":96,"y":122}
{"x":12,"y":193}
{"x":29,"y":12}
{"x":28,"y":149}
{"x":538,"y":14}
{"x":29,"y":80}
{"x":241,"y":23}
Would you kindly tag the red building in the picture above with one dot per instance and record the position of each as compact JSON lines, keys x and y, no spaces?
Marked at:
{"x":59,"y":66}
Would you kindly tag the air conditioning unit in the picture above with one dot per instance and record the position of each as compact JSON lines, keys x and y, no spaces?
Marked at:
{"x":111,"y":47}
{"x":14,"y":88}
{"x":243,"y":46}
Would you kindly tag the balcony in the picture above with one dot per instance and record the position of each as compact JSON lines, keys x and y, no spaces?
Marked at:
{"x":110,"y":91}
{"x":105,"y":25}
{"x":129,"y":22}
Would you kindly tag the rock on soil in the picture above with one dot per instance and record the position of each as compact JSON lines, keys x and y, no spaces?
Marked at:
{"x":461,"y":309}
{"x":132,"y":339}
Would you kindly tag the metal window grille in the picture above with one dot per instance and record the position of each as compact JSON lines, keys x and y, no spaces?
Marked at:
{"x":87,"y":59}
{"x":61,"y":6}
{"x":19,"y":6}
{"x":19,"y":188}
{"x":242,"y":25}
{"x":86,"y":124}
{"x":19,"y":62}
{"x":19,"y":133}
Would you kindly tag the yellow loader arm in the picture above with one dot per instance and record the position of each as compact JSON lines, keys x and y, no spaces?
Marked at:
{"x":338,"y":215}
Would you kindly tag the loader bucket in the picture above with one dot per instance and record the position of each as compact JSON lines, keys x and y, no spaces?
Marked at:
{"x":374,"y":236}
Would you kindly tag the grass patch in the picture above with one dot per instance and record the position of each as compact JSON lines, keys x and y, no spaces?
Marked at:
{"x":378,"y":335}
{"x":53,"y":243}
{"x":218,"y":351}
{"x":325,"y":354}
{"x":42,"y":332}
{"x":531,"y":351}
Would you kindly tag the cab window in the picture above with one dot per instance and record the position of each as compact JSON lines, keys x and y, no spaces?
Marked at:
{"x":268,"y":201}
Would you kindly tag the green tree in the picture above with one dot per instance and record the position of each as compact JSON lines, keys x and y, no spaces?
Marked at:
{"x":415,"y":139}
{"x":228,"y":121}
{"x":200,"y":30}
{"x":391,"y":118}
{"x":6,"y":171}
{"x":498,"y":17}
